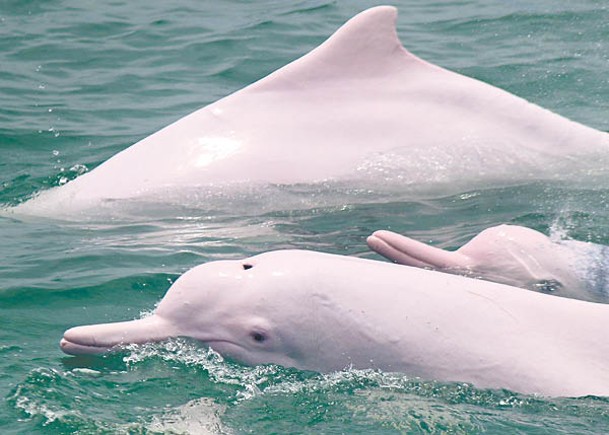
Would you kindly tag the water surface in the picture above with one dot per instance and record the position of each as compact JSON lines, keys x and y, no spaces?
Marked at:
{"x":82,"y":81}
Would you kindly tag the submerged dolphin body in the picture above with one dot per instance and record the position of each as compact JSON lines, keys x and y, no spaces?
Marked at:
{"x":358,"y":107}
{"x":326,"y":312}
{"x":512,"y":255}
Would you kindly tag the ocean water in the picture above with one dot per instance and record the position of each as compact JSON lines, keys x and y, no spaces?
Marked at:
{"x":80,"y":81}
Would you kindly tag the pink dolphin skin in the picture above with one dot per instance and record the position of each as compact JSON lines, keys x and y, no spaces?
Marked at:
{"x":512,"y":255}
{"x":356,"y":108}
{"x":326,"y":312}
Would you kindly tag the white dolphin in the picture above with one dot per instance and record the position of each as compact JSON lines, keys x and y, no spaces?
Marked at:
{"x":513,"y":255}
{"x":326,"y":312}
{"x":359,"y":106}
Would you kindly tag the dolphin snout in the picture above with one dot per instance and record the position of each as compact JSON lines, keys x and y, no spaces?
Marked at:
{"x":95,"y":339}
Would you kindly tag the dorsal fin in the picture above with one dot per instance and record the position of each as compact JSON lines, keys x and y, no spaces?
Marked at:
{"x":365,"y":46}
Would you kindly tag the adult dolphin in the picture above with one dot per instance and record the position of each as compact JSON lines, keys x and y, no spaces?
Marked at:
{"x":359,"y":106}
{"x":325,"y":312}
{"x":513,"y":255}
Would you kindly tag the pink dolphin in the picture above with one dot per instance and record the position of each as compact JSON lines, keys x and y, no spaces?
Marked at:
{"x":512,"y":255}
{"x":358,"y":108}
{"x":325,"y":312}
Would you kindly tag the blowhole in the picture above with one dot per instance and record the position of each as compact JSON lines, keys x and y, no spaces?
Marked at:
{"x":247,"y":266}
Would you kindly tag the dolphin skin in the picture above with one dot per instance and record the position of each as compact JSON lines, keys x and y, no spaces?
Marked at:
{"x":358,"y":107}
{"x":324,"y":312}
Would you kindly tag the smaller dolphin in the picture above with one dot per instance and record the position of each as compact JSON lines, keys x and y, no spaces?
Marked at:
{"x":324,"y":312}
{"x":513,"y":255}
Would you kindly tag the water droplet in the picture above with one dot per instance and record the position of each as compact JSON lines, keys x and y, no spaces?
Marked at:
{"x":79,"y":169}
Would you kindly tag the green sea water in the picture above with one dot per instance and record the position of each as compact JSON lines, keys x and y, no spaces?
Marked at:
{"x":80,"y":81}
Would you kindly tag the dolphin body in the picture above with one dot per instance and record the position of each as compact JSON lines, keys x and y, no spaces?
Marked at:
{"x":324,"y":312}
{"x":512,"y":255}
{"x":358,"y":107}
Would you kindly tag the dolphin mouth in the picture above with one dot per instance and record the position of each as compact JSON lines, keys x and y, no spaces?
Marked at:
{"x":73,"y":348}
{"x":223,"y":347}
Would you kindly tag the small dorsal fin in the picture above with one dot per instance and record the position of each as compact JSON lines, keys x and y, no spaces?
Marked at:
{"x":366,"y":46}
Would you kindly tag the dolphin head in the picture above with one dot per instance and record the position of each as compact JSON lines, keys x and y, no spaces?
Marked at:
{"x":508,"y":254}
{"x":523,"y":257}
{"x":223,"y":304}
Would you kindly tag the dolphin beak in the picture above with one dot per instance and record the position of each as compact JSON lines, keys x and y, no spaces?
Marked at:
{"x":95,"y":339}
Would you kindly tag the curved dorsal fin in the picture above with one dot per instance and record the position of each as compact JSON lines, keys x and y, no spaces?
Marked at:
{"x":365,"y":46}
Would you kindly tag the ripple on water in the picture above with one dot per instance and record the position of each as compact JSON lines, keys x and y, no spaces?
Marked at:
{"x":88,"y":394}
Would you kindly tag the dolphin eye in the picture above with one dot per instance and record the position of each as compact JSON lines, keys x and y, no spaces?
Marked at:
{"x":247,"y":266}
{"x":548,"y":285}
{"x":258,"y":337}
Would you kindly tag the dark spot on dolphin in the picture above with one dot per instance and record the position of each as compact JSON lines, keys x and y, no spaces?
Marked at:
{"x":548,"y":286}
{"x":247,"y":266}
{"x":258,"y":337}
